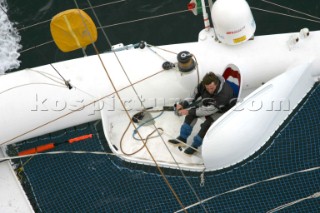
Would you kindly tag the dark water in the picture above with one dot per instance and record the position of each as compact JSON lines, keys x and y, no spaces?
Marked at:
{"x":180,"y":27}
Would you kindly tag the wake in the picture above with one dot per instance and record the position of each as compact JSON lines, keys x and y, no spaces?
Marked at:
{"x":9,"y":41}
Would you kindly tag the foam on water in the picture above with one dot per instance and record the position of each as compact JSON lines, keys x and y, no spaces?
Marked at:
{"x":9,"y":41}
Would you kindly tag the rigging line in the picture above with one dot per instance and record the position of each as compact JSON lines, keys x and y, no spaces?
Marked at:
{"x":155,"y":127}
{"x":121,"y":65}
{"x":180,"y":169}
{"x":288,"y":8}
{"x":36,"y":46}
{"x":47,"y":75}
{"x":56,"y":153}
{"x":127,"y":113}
{"x":143,"y":19}
{"x":50,"y":77}
{"x":105,"y":4}
{"x":253,"y":184}
{"x":155,"y":52}
{"x":62,"y":117}
{"x":315,"y":195}
{"x":7,"y":158}
{"x":283,"y":14}
{"x":76,"y":110}
{"x":132,"y":85}
{"x":67,"y":83}
{"x":138,"y":150}
{"x":99,"y":23}
{"x":124,"y":107}
{"x":33,"y":25}
{"x":169,"y":51}
{"x":43,"y":22}
{"x":28,"y":84}
{"x":102,"y":27}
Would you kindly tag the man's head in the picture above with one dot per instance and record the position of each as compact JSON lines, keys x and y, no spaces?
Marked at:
{"x":210,"y":81}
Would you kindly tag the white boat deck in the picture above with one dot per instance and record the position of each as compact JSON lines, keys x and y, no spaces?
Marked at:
{"x":12,"y":196}
{"x":125,"y":144}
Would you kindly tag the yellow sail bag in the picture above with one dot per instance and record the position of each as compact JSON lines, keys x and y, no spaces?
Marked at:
{"x":73,"y":29}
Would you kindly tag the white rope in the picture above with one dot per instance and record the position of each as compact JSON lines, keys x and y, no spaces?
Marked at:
{"x":46,"y":21}
{"x":55,"y":153}
{"x":288,"y":8}
{"x":162,"y":15}
{"x":249,"y":185}
{"x":143,"y":19}
{"x":142,"y":104}
{"x":315,"y":195}
{"x":283,"y":14}
{"x":105,"y":4}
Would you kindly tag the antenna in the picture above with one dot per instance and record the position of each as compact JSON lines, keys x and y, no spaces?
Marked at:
{"x":205,"y":16}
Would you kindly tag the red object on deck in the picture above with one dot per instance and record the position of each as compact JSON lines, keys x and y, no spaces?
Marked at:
{"x":37,"y":149}
{"x":80,"y":138}
{"x":49,"y":146}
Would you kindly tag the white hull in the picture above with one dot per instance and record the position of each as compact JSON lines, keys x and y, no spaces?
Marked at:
{"x":40,"y":103}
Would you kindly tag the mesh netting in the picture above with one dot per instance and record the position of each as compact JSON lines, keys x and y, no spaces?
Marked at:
{"x":285,"y":175}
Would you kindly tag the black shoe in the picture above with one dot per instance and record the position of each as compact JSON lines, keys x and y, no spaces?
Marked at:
{"x":190,"y":150}
{"x":177,"y":141}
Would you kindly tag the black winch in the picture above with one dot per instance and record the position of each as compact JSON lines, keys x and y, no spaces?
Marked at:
{"x":185,"y":61}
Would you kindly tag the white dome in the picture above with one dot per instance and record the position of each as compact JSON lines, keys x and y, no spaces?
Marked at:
{"x":233,"y":21}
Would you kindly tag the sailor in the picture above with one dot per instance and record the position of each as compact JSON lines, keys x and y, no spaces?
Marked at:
{"x":216,"y":96}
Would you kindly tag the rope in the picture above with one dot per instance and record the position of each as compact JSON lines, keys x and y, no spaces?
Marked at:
{"x":144,"y":123}
{"x":28,"y":84}
{"x":288,"y":8}
{"x":253,"y":184}
{"x":146,"y":139}
{"x":100,"y":27}
{"x":156,"y":129}
{"x":123,"y":105}
{"x":55,"y":153}
{"x":99,"y":23}
{"x":46,"y":21}
{"x":143,"y":19}
{"x":36,"y":46}
{"x":155,"y":52}
{"x":283,"y":14}
{"x":315,"y":195}
{"x":82,"y":107}
{"x":105,"y":4}
{"x":4,"y":159}
{"x":162,"y":15}
{"x":163,"y":49}
{"x":127,"y":113}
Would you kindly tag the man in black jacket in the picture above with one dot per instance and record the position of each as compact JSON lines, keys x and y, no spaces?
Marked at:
{"x":216,"y":95}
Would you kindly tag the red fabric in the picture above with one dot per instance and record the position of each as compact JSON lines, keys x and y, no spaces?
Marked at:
{"x":230,"y":72}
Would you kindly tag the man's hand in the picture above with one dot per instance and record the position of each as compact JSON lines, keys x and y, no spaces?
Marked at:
{"x":183,"y":112}
{"x":179,"y":107}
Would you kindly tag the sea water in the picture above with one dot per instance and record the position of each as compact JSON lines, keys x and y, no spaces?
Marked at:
{"x":27,"y":31}
{"x":9,"y":41}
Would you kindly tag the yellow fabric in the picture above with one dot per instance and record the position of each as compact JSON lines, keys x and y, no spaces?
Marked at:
{"x":73,"y":29}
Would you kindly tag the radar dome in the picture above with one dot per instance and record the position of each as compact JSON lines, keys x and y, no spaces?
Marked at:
{"x":233,"y":21}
